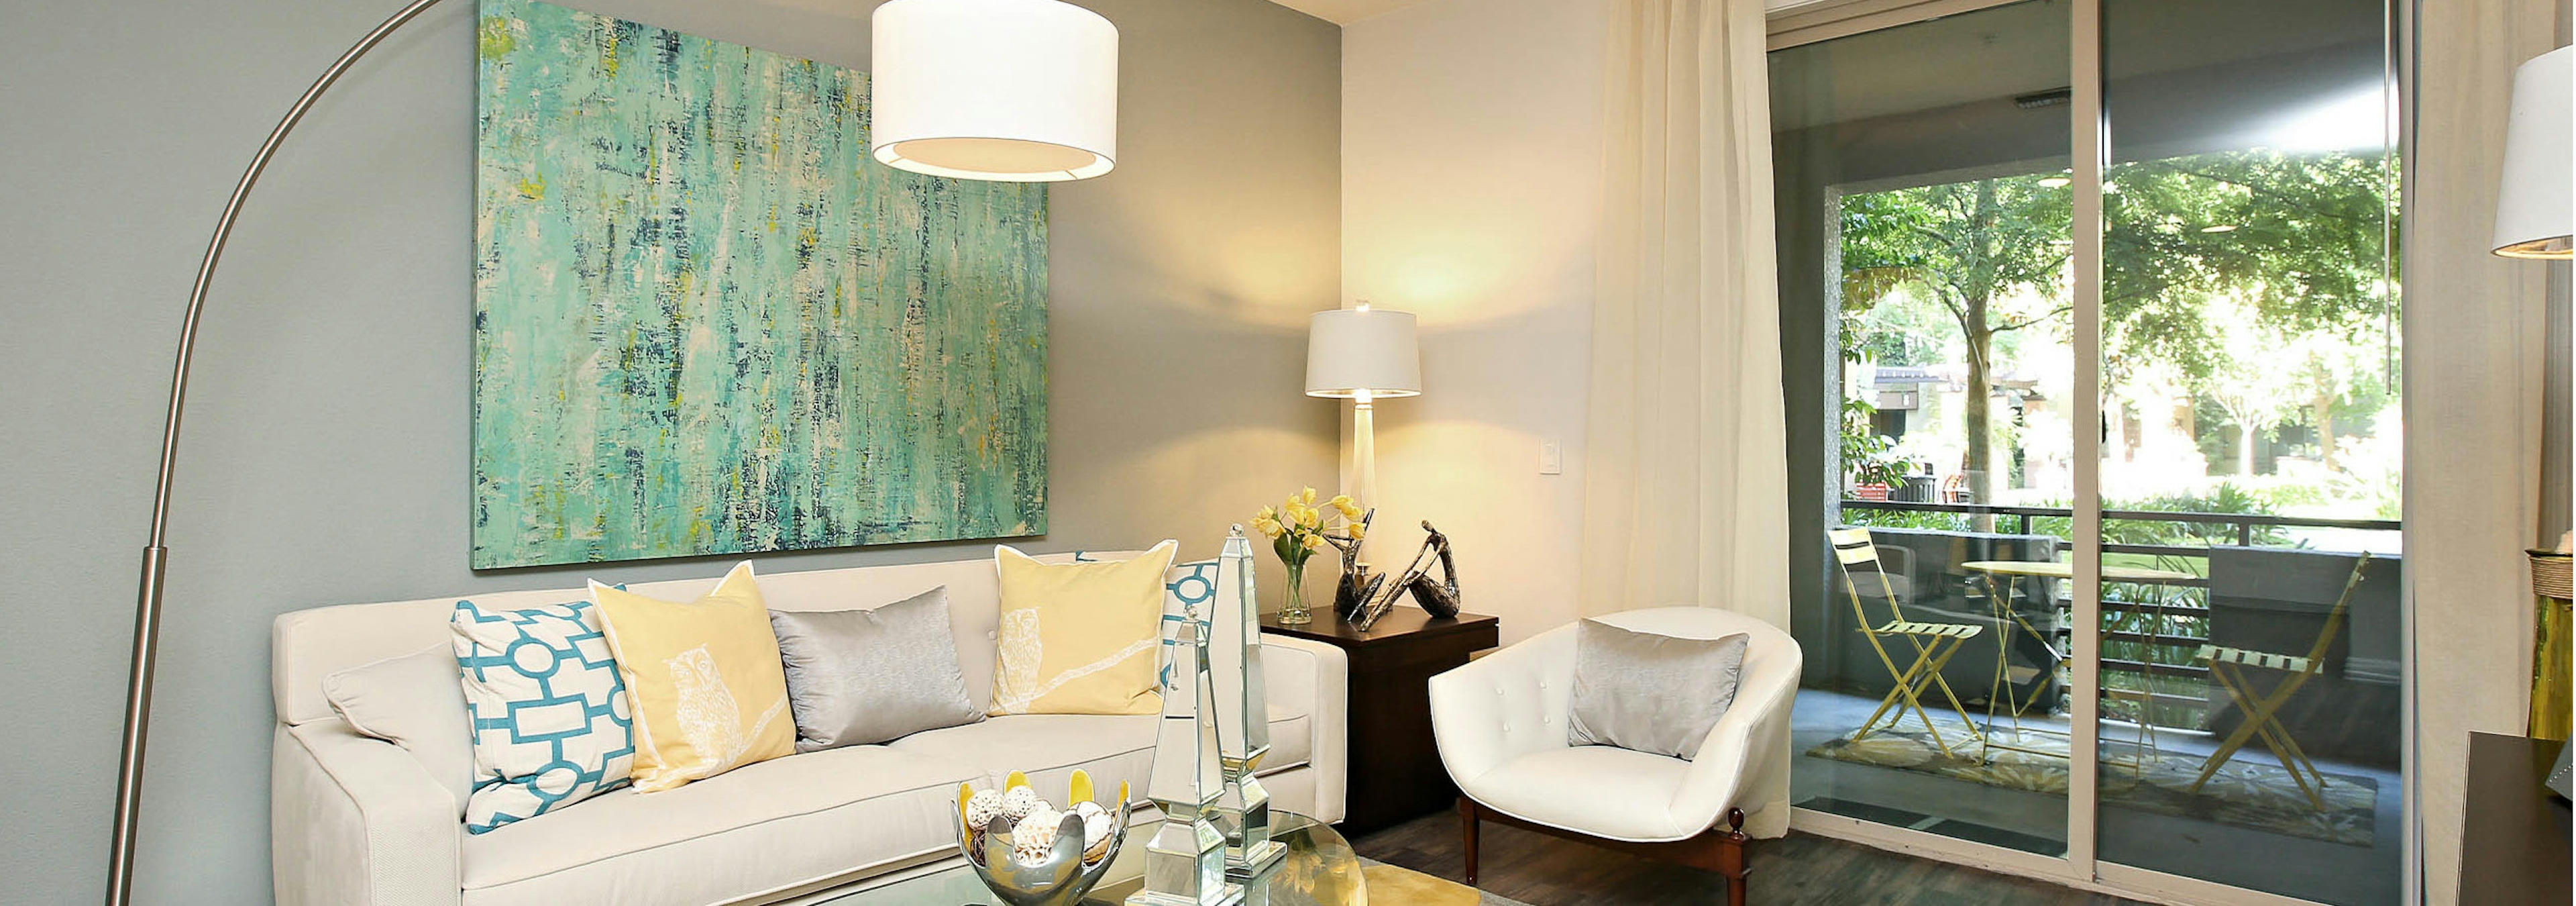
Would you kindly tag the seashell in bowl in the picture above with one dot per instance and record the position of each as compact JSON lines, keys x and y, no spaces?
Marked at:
{"x":1040,"y":857}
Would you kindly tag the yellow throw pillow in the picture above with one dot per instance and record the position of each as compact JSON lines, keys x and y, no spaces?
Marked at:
{"x":1080,"y":638}
{"x":703,"y":680}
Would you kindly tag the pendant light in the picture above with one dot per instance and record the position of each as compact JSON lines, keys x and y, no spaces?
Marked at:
{"x":1001,"y":90}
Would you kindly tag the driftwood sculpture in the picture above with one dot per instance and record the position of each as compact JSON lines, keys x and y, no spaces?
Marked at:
{"x":1440,"y":599}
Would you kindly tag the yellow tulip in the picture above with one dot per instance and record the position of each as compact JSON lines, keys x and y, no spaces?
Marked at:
{"x":1267,"y":527}
{"x":1310,"y":518}
{"x":1266,"y":513}
{"x":1306,"y":497}
{"x":1315,"y":542}
{"x":1356,"y":531}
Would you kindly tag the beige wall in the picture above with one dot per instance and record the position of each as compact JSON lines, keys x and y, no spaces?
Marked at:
{"x":1471,"y":173}
{"x":326,"y":455}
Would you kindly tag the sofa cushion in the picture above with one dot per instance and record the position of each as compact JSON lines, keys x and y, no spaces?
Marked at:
{"x":415,"y":702}
{"x":756,"y":828}
{"x":1110,"y":747}
{"x":1292,"y":740}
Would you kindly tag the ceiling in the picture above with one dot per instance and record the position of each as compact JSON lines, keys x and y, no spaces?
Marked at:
{"x":1345,"y":12}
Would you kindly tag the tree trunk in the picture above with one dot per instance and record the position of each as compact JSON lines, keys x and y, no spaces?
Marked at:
{"x":2245,"y":447}
{"x":2325,"y":430}
{"x":1980,"y":409}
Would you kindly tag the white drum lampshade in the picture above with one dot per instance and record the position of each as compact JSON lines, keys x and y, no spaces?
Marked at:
{"x":2533,"y":206}
{"x":1362,"y":353}
{"x":1000,"y":90}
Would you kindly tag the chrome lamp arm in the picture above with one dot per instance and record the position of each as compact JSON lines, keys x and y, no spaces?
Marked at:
{"x":156,"y":555}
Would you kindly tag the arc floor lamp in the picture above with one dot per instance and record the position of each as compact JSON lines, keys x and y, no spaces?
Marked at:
{"x":941,"y":107}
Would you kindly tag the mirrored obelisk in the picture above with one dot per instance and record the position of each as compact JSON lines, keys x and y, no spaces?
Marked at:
{"x":1242,"y":712}
{"x":1185,"y":860}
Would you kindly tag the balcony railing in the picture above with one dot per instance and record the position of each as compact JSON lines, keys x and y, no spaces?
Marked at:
{"x":2132,"y":656}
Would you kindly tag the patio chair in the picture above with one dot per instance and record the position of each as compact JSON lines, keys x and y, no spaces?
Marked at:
{"x":1933,"y":643}
{"x":2262,"y":709}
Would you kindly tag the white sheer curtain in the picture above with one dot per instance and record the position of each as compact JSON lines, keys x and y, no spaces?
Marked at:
{"x":1686,"y":498}
{"x":2476,"y":377}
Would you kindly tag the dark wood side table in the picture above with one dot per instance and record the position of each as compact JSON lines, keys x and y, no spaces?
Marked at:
{"x":1395,"y":771}
{"x":2514,"y":841}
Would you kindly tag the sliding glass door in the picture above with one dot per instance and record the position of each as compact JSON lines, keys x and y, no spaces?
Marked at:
{"x":2089,"y":331}
{"x":2251,"y":665}
{"x":1924,"y":209}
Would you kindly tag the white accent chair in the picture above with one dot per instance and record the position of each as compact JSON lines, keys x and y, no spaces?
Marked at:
{"x":1501,"y":726}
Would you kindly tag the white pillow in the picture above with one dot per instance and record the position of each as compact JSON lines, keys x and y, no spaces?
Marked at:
{"x":549,"y":713}
{"x":412,"y":701}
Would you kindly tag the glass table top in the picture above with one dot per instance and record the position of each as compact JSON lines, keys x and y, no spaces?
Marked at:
{"x":1318,"y":870}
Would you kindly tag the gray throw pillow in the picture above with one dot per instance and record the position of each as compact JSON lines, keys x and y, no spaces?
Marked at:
{"x":1650,"y":693}
{"x":866,"y":676}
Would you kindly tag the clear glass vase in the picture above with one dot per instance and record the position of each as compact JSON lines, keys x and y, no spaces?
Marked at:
{"x":1293,"y":611}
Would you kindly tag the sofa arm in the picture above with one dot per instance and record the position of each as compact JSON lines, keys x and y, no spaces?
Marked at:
{"x":359,"y":821}
{"x":1504,"y":705}
{"x":1317,"y":677}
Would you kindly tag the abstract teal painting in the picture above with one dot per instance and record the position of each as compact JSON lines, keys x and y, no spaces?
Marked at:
{"x":707,"y":322}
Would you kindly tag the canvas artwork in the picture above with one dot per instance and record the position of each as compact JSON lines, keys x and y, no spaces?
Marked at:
{"x":707,"y":322}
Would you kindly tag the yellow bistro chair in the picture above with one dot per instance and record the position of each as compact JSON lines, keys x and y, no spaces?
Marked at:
{"x":2262,"y":710}
{"x":1933,"y":643}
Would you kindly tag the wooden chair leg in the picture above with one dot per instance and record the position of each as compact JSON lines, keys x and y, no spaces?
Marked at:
{"x":1730,"y":857}
{"x":1467,"y":831}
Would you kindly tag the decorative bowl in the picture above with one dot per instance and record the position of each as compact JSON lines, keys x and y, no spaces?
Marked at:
{"x":1063,"y":870}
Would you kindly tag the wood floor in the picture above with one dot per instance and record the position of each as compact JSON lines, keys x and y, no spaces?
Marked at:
{"x":1796,"y":871}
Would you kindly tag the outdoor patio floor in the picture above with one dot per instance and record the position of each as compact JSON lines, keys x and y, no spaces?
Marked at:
{"x":2293,"y":865}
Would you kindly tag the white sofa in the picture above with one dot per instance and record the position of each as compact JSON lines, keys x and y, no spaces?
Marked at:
{"x":357,"y":821}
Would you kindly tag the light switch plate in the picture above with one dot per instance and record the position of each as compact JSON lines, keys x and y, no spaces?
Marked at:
{"x":1551,"y":461}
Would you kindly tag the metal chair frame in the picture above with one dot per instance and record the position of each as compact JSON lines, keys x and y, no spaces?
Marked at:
{"x":2262,"y":709}
{"x":1853,"y":547}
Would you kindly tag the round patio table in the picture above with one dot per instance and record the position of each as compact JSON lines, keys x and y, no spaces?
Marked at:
{"x":2063,"y":657}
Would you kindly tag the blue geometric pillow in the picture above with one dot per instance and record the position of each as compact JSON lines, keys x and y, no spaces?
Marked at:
{"x":547,"y":708}
{"x":1188,"y":590}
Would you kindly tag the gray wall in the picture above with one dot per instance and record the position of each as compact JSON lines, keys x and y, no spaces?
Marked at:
{"x":326,"y":455}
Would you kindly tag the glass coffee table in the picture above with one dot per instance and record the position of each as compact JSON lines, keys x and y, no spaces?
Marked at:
{"x":1319,"y":870}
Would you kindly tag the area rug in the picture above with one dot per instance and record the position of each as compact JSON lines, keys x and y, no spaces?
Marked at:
{"x":2245,"y":793}
{"x":1388,"y":884}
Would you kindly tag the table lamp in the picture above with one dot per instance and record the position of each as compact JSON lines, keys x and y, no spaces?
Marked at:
{"x":1362,"y":354}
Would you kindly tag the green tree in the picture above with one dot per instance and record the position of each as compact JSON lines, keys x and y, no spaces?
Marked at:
{"x":1993,"y":252}
{"x":2294,"y":242}
{"x":2257,"y":275}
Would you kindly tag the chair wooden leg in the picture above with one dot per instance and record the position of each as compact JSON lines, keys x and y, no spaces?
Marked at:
{"x":1730,"y":857}
{"x":1713,"y":850}
{"x":1467,"y":827}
